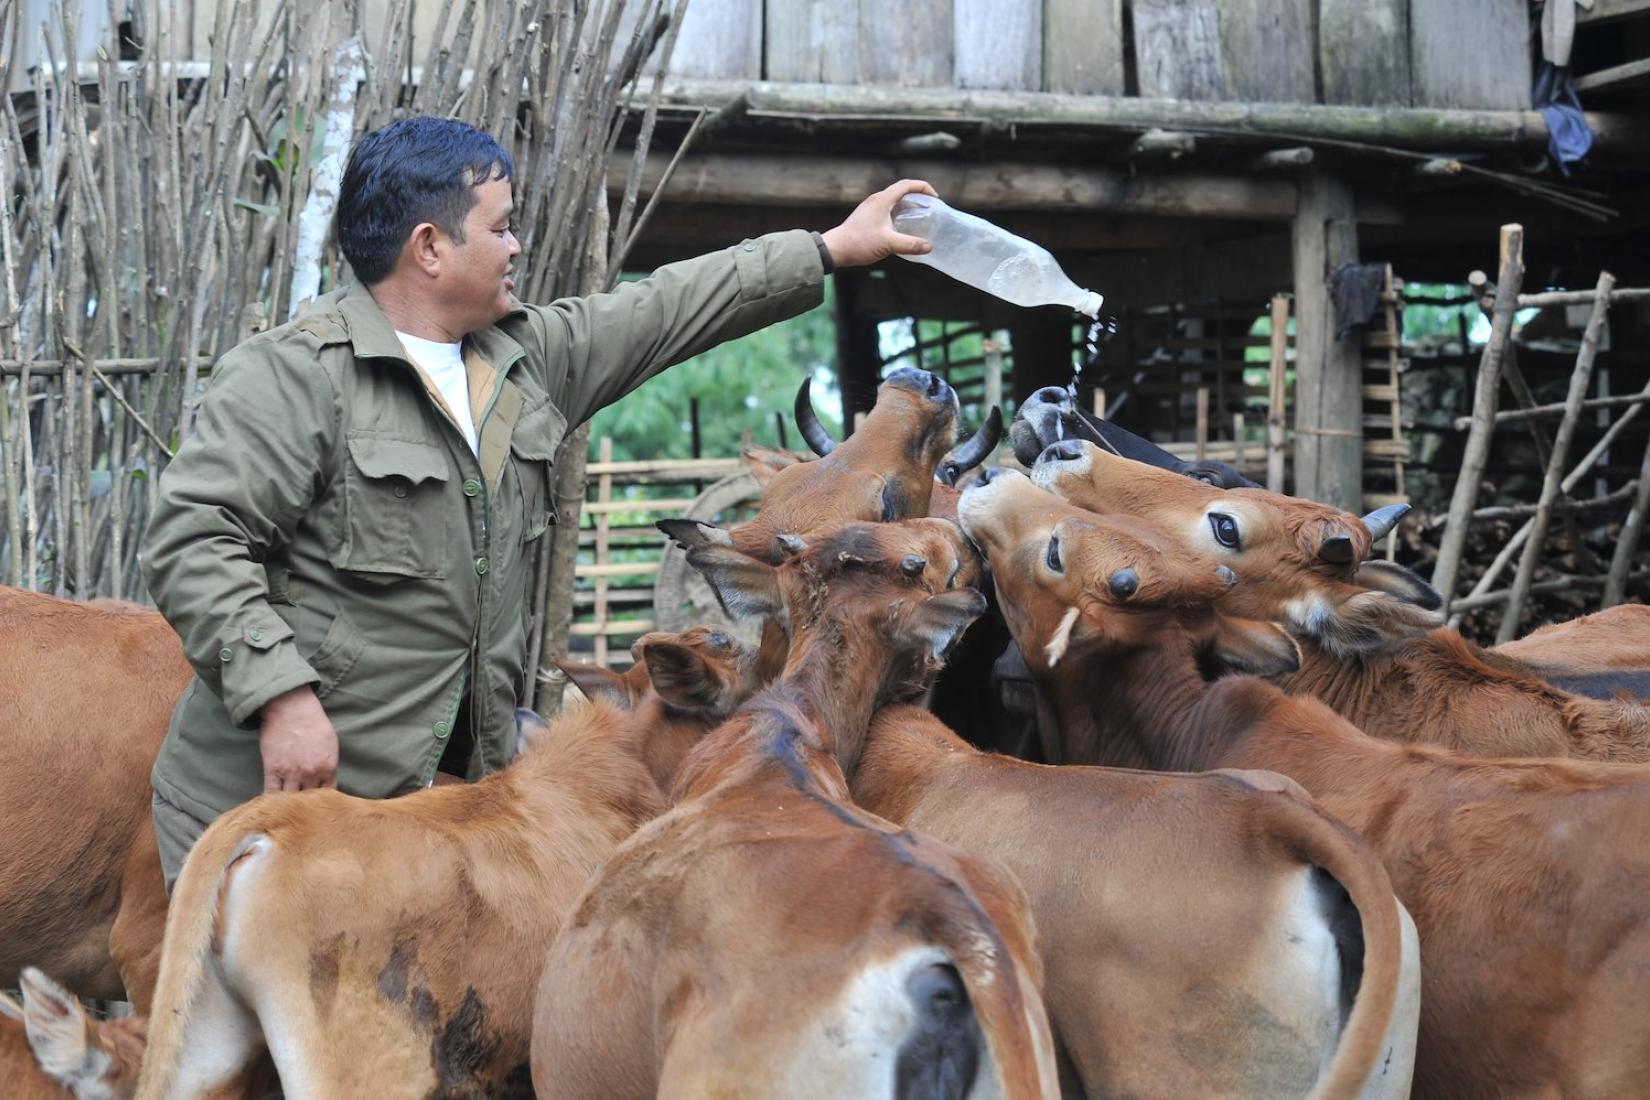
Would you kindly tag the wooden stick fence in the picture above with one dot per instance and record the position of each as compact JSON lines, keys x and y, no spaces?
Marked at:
{"x":1560,"y":478}
{"x":620,"y":550}
{"x":157,"y":212}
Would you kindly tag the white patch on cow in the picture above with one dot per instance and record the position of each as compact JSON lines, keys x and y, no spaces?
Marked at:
{"x":1311,"y":615}
{"x":1056,"y":647}
{"x":1389,"y":1079}
{"x":850,"y":1048}
{"x":223,"y":1035}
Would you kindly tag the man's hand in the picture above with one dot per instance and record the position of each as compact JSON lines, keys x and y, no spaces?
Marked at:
{"x":298,"y":743}
{"x":867,"y":235}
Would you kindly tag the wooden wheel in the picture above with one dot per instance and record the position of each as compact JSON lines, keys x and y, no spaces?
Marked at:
{"x":681,"y":598}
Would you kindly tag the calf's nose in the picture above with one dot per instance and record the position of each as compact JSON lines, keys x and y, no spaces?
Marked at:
{"x":1067,"y":450}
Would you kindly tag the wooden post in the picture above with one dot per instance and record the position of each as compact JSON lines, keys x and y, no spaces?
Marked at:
{"x":1238,"y":442}
{"x":1277,"y":399}
{"x":1202,"y":429}
{"x":1100,"y":402}
{"x":1615,"y":589}
{"x":1328,"y":372}
{"x":604,"y":520}
{"x":993,"y":352}
{"x":1483,"y":412}
{"x":1583,"y":373}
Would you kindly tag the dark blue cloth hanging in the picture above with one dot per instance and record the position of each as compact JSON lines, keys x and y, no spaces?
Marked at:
{"x":1568,"y":136}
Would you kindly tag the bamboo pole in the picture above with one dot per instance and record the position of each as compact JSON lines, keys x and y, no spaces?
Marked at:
{"x":1536,"y":412}
{"x":1577,"y":472}
{"x":1201,"y":436}
{"x":1627,"y":543}
{"x":1276,"y":408}
{"x":1579,"y":379}
{"x":1511,"y":276}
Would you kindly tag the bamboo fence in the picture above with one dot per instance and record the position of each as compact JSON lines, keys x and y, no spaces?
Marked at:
{"x":1560,"y":478}
{"x":160,"y":209}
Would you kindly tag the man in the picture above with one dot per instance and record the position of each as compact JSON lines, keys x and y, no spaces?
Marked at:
{"x":345,"y":544}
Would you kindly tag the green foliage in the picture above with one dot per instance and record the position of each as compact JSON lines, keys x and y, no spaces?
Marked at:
{"x":740,"y":386}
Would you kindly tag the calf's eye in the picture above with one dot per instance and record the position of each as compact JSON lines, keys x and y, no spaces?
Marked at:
{"x":1225,"y":529}
{"x":1053,"y":555}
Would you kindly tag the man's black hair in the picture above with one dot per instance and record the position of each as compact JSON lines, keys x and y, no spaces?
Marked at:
{"x":411,"y":171}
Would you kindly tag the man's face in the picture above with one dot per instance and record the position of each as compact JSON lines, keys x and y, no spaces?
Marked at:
{"x":479,"y":279}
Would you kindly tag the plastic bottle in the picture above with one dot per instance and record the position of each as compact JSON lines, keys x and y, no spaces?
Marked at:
{"x":989,"y":257}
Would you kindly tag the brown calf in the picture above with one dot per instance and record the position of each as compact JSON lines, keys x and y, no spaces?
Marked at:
{"x":1370,"y":647}
{"x":1207,"y":935}
{"x":1527,"y":879}
{"x":1605,"y":654}
{"x":884,"y":471}
{"x":391,"y":948}
{"x":50,"y":1049}
{"x":88,"y":693}
{"x":768,"y":938}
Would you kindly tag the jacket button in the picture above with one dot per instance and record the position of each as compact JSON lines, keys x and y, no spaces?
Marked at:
{"x":255,"y":635}
{"x":226,"y":655}
{"x":481,"y":567}
{"x":401,"y":490}
{"x":750,"y":246}
{"x":472,"y":487}
{"x":442,"y":729}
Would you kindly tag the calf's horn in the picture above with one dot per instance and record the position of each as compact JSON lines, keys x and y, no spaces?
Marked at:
{"x":1337,"y":549}
{"x":819,"y":440}
{"x":973,"y":450}
{"x":1381,"y":521}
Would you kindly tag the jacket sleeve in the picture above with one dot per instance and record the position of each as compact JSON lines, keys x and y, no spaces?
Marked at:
{"x":237,"y":487}
{"x":601,"y":347}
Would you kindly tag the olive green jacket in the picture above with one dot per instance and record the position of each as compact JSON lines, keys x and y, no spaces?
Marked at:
{"x":327,"y":523}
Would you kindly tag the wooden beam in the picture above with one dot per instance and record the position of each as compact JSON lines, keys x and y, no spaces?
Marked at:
{"x":802,"y":181}
{"x":1282,"y":160}
{"x":1163,"y":145}
{"x":1410,"y":127}
{"x":1328,"y":372}
{"x":1605,"y":11}
{"x":1634,"y":72}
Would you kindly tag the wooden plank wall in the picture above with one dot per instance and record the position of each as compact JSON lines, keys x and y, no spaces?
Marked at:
{"x":998,"y":43}
{"x":1083,"y":47}
{"x":1469,"y":53}
{"x":1356,"y":55}
{"x":720,"y":40}
{"x":1252,"y":50}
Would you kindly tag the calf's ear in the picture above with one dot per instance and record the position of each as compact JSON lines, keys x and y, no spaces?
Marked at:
{"x":1395,"y":580}
{"x":60,"y":1032}
{"x":939,"y":621}
{"x":597,"y":683}
{"x":690,"y":533}
{"x":745,"y":587}
{"x":681,"y":675}
{"x":764,"y":462}
{"x":1257,"y":648}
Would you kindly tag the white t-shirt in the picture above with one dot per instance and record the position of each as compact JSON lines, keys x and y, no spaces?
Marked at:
{"x":444,"y":363}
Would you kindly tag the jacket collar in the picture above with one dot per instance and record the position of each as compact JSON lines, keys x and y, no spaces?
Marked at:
{"x":373,"y":337}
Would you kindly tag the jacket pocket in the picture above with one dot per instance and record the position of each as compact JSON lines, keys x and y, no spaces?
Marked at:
{"x":395,"y":514}
{"x":533,"y":451}
{"x":332,"y":660}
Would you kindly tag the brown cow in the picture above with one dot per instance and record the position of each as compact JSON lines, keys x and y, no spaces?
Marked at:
{"x":1605,"y":654}
{"x":1370,"y":647}
{"x":1200,"y":937}
{"x":884,"y":471}
{"x":89,"y":693}
{"x":1526,"y":878}
{"x":767,"y":937}
{"x":50,"y":1049}
{"x":391,"y":948}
